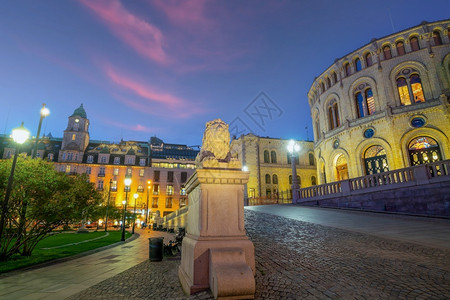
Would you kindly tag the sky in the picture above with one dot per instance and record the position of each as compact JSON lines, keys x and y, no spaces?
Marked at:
{"x":164,"y":68}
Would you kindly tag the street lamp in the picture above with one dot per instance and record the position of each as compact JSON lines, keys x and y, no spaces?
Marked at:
{"x":293,"y":148}
{"x":19,"y":135}
{"x":107,"y":206}
{"x":44,"y":112}
{"x":127,"y":187}
{"x":149,"y":184}
{"x":136,"y":195}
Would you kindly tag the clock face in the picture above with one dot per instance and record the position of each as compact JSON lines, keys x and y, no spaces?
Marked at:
{"x":336,"y":144}
{"x":77,"y":120}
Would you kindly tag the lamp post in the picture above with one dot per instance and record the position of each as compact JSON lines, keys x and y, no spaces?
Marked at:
{"x":148,"y":195}
{"x":293,"y":148}
{"x":107,"y":206}
{"x":19,"y":135}
{"x":136,"y":195}
{"x":44,"y":112}
{"x":127,"y":187}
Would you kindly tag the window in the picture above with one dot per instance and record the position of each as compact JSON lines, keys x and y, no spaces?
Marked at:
{"x":268,"y":193}
{"x":273,"y":157}
{"x":130,"y":160}
{"x":62,"y":168}
{"x":156,"y":189}
{"x":129,"y":171}
{"x":183,"y":192}
{"x":64,"y":156}
{"x":289,"y":158}
{"x":437,"y":38}
{"x":365,"y":103}
{"x":169,"y":202}
{"x":414,"y":41}
{"x":266,"y":156}
{"x":182,"y":202}
{"x":114,"y":186}
{"x":290,"y":179}
{"x":400,"y":48}
{"x":116,"y":160}
{"x":88,"y":170}
{"x":90,"y":159}
{"x":333,"y":115}
{"x":410,"y":86}
{"x":155,"y":202}
{"x":156,"y":176}
{"x":103,"y":159}
{"x":387,"y":52}
{"x":328,"y":82}
{"x":140,"y":189}
{"x":267,"y":179}
{"x":183,"y":177}
{"x":100,"y":185}
{"x":50,"y":156}
{"x":101,"y":171}
{"x":73,"y":137}
{"x":142,"y":162}
{"x":347,"y":70}
{"x":169,"y":190}
{"x":358,"y":66}
{"x":70,"y":156}
{"x":116,"y":171}
{"x":322,"y":87}
{"x":334,"y":77}
{"x":275,"y":179}
{"x":368,"y":59}
{"x":68,"y":169}
{"x":313,"y":180}
{"x":170,"y":176}
{"x":141,"y":172}
{"x":311,"y":159}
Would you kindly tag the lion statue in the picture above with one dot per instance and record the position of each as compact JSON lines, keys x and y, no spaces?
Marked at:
{"x":215,"y":150}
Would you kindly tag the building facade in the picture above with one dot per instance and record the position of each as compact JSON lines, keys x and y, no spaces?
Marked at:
{"x":385,"y":105}
{"x":269,"y":164}
{"x":157,"y":170}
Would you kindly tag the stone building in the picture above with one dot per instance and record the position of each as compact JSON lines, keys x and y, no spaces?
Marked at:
{"x":269,"y":164}
{"x":385,"y":105}
{"x":158,"y":170}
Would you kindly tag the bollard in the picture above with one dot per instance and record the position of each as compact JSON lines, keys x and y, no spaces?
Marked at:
{"x":156,"y":247}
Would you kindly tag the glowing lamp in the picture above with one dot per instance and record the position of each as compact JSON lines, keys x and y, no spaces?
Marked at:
{"x":20,"y":134}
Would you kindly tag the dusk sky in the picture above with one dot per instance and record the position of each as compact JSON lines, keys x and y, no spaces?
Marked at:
{"x":164,"y":68}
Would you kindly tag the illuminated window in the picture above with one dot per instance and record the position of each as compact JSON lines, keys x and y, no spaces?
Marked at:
{"x":183,"y":191}
{"x":156,"y":189}
{"x":68,"y":169}
{"x":182,"y":202}
{"x":365,"y":103}
{"x":403,"y":92}
{"x":368,"y":59}
{"x":275,"y":179}
{"x":347,"y":70}
{"x":410,"y":90}
{"x":266,"y":157}
{"x":416,"y":87}
{"x":437,"y":38}
{"x":141,"y":172}
{"x":129,"y":170}
{"x":155,"y":202}
{"x":358,"y":66}
{"x":73,"y":137}
{"x":114,"y":185}
{"x":414,"y":41}
{"x":140,"y":189}
{"x":400,"y":48}
{"x":116,"y":160}
{"x":387,"y":52}
{"x":273,"y":157}
{"x":116,"y":171}
{"x":313,"y":180}
{"x":169,"y":189}
{"x":169,"y":202}
{"x":267,"y":179}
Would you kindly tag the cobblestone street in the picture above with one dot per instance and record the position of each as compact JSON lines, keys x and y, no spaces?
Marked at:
{"x":300,"y":260}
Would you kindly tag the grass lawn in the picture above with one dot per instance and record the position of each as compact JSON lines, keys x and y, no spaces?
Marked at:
{"x":59,"y":244}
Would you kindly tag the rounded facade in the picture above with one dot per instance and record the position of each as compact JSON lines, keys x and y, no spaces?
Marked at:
{"x":384,"y":106}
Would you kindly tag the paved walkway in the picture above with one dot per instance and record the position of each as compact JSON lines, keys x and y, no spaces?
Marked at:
{"x":64,"y":279}
{"x":301,"y":253}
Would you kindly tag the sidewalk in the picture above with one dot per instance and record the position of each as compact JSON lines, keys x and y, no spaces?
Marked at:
{"x":64,"y":279}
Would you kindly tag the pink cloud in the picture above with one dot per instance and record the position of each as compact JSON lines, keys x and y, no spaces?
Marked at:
{"x":145,"y":38}
{"x":135,"y":127}
{"x":185,"y":12}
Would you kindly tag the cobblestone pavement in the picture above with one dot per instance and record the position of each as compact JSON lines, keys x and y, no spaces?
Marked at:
{"x":299,"y":260}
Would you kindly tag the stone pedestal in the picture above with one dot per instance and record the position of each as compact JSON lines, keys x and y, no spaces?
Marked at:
{"x":216,"y":252}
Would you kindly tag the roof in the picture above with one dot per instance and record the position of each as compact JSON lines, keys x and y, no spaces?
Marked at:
{"x":79,"y":112}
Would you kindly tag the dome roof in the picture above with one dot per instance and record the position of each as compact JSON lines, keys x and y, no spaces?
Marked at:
{"x":80,"y":112}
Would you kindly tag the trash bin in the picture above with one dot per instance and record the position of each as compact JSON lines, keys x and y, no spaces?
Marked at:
{"x":156,"y":247}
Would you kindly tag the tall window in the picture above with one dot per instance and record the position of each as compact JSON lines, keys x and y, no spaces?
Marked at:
{"x":113,"y":185}
{"x":365,"y":103}
{"x":169,"y":202}
{"x":116,"y":160}
{"x":155,"y":202}
{"x":170,"y":176}
{"x":267,"y":179}
{"x":156,"y":176}
{"x":313,"y":180}
{"x":400,"y":48}
{"x":273,"y":157}
{"x":70,"y":156}
{"x":141,"y":172}
{"x":275,"y":179}
{"x":266,"y":157}
{"x":142,"y":162}
{"x":169,"y":190}
{"x":129,"y":170}
{"x":414,"y":41}
{"x":333,"y":115}
{"x":130,"y":160}
{"x":410,"y":89}
{"x":100,"y":185}
{"x":387,"y":52}
{"x":334,"y":77}
{"x":358,"y":65}
{"x":437,"y":38}
{"x":88,"y":170}
{"x":183,"y":177}
{"x":347,"y":70}
{"x":74,"y":136}
{"x":368,"y":59}
{"x":101,"y":171}
{"x":156,"y":189}
{"x":322,"y":87}
{"x":90,"y":159}
{"x":328,"y":82}
{"x":116,"y":171}
{"x":103,"y":159}
{"x":311,"y":159}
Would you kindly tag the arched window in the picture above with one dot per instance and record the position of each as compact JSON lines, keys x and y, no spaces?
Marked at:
{"x":313,"y":180}
{"x":317,"y":128}
{"x":416,"y":87}
{"x":266,"y":157}
{"x":437,"y":38}
{"x":400,"y":48}
{"x":333,"y":115}
{"x":290,"y":179}
{"x":368,"y":59}
{"x":328,"y":82}
{"x":410,"y":89}
{"x":402,"y":87}
{"x":375,"y":160}
{"x":275,"y":179}
{"x":334,"y":77}
{"x":358,"y":66}
{"x":387,"y":52}
{"x":347,"y":70}
{"x":322,"y":87}
{"x":414,"y":41}
{"x":311,"y":159}
{"x":365,"y":103}
{"x":273,"y":157}
{"x":267,"y":179}
{"x":423,"y":150}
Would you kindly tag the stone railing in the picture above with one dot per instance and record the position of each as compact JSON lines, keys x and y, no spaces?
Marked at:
{"x":176,"y":220}
{"x":411,"y":176}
